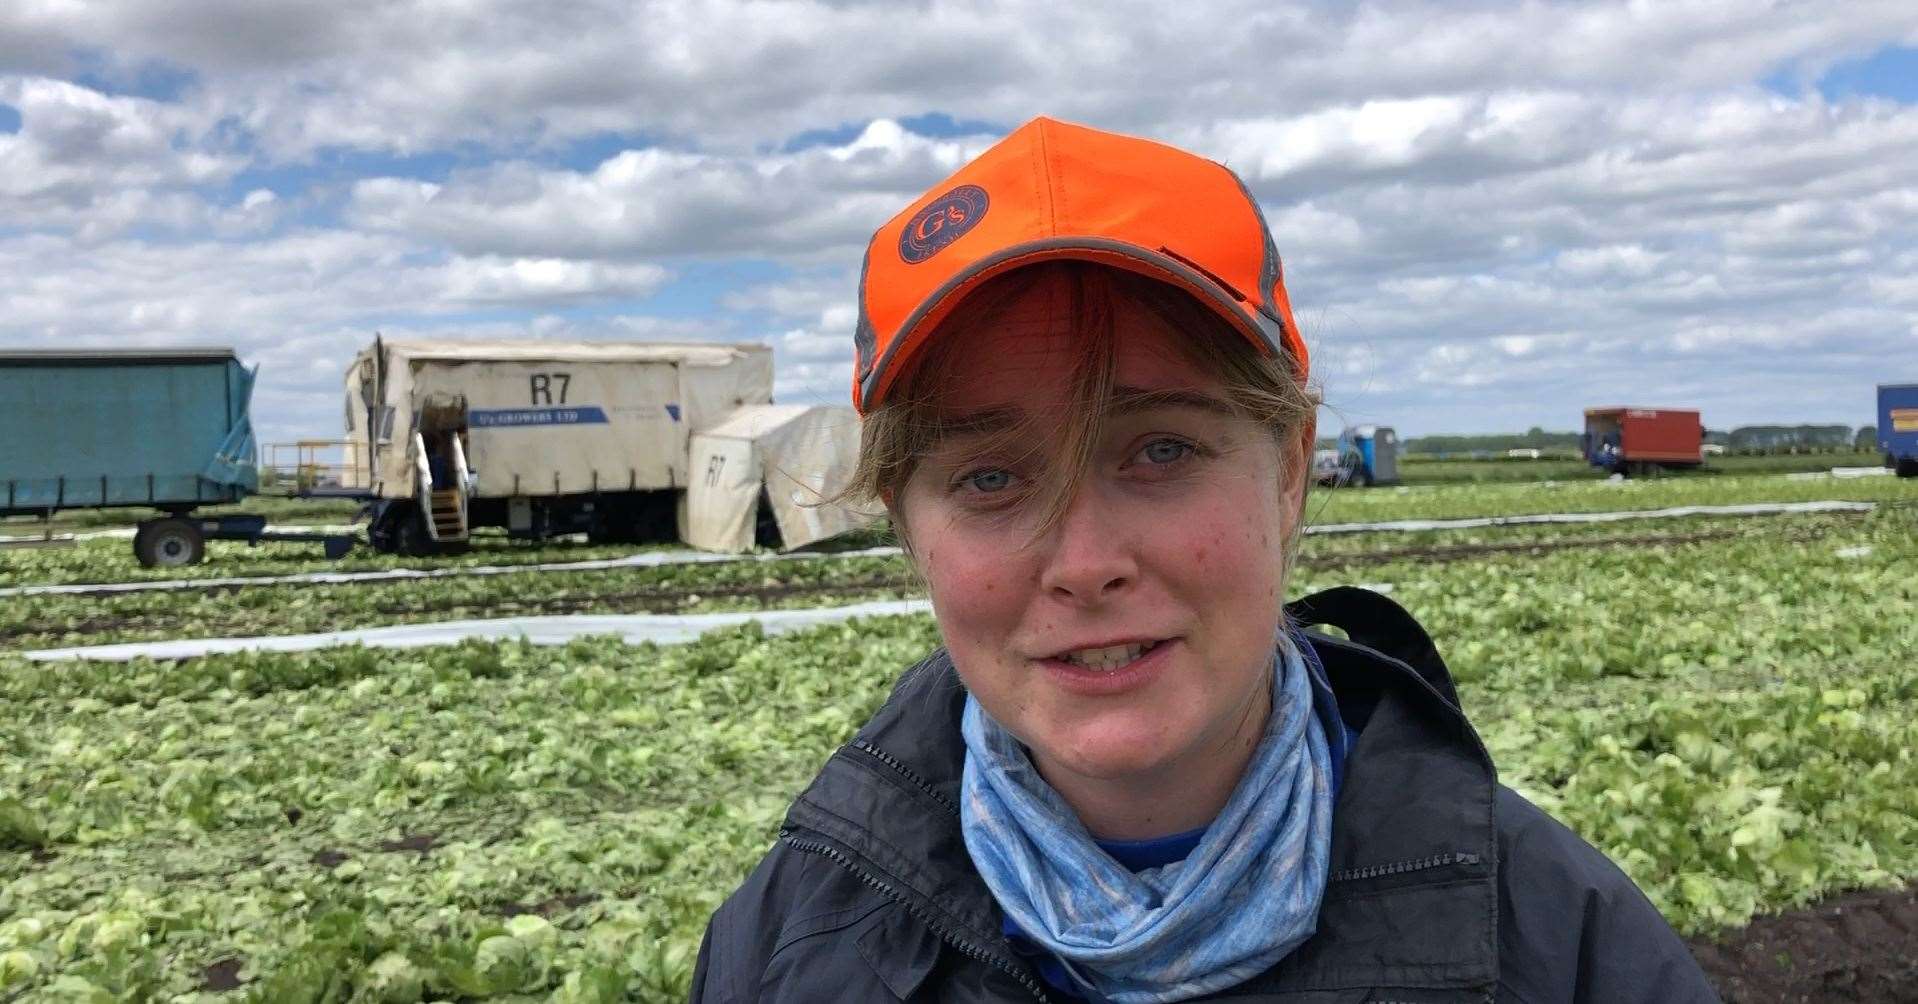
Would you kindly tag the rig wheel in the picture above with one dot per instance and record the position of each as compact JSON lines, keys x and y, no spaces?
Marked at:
{"x":169,"y":543}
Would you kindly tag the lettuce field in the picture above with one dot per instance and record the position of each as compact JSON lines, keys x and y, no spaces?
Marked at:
{"x":1727,"y":707}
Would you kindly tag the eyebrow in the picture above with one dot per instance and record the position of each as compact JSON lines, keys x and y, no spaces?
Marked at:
{"x":980,"y":422}
{"x":1125,"y":401}
{"x":1129,"y":400}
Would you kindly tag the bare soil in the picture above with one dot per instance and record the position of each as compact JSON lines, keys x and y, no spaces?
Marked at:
{"x":1458,"y":552}
{"x":549,"y":907}
{"x":1860,"y":946}
{"x":222,"y":976}
{"x":419,"y":843}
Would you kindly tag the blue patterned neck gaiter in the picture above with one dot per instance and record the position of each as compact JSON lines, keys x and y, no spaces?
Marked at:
{"x":1245,"y":898}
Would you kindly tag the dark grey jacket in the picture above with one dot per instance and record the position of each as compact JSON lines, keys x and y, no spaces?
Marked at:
{"x":1445,"y":886}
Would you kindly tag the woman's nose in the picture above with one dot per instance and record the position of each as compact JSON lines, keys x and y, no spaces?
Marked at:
{"x":1090,"y":557}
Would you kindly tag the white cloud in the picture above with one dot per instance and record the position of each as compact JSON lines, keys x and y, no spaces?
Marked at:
{"x":88,"y":161}
{"x":300,"y":305}
{"x":544,"y":280}
{"x":820,"y":201}
{"x":737,"y":74}
{"x":1631,"y":261}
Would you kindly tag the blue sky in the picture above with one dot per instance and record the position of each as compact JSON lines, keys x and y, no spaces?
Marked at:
{"x":1891,"y":73}
{"x":1528,"y":209}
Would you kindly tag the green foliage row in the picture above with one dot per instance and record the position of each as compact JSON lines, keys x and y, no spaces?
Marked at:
{"x":1460,"y":501}
{"x":57,"y":620}
{"x":111,"y":560}
{"x":54,"y":620}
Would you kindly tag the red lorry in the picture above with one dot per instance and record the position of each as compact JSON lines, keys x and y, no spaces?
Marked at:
{"x":1639,"y":440}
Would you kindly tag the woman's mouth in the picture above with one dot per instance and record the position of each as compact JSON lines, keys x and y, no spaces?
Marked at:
{"x":1109,"y":670}
{"x":1107,"y":659}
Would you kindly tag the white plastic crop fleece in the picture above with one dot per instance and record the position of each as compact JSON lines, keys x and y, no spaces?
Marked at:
{"x":633,"y":628}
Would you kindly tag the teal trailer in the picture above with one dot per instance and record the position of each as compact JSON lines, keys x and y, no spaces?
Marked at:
{"x":165,"y":429}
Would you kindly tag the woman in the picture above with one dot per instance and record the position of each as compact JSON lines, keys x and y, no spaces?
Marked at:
{"x":1129,"y":776}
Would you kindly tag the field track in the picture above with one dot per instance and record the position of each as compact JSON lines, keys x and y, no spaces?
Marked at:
{"x":650,"y":559}
{"x":558,"y":619}
{"x":644,"y":559}
{"x":112,"y":629}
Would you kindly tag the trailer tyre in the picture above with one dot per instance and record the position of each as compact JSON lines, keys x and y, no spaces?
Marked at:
{"x":1907,"y":467}
{"x":169,"y":543}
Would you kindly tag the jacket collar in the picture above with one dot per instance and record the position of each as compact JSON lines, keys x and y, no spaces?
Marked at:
{"x":1412,"y":901}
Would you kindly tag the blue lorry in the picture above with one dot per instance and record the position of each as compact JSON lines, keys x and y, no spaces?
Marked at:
{"x":1898,"y":427}
{"x":166,"y":429}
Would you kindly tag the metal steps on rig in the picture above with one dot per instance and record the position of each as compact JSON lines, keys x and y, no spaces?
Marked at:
{"x":449,"y":518}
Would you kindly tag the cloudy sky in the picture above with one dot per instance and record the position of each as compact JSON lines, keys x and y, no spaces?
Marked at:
{"x":1492,"y":214}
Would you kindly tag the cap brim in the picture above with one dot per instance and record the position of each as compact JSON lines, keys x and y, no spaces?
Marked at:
{"x":1263,"y":330}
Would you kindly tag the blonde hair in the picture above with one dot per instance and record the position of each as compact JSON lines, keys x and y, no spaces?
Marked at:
{"x":896,"y":434}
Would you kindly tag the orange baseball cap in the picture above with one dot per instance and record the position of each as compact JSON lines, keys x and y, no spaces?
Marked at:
{"x":1053,"y":190}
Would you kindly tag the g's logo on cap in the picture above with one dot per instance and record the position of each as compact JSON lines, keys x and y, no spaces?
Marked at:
{"x":946,"y":220}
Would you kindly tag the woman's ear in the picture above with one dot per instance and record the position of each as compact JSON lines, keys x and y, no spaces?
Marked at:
{"x":1295,"y":467}
{"x":890,"y":499}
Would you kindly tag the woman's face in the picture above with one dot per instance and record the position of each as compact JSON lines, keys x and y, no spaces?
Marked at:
{"x":1133,"y":639}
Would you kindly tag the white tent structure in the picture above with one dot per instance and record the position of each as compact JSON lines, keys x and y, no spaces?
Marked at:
{"x":791,"y":458}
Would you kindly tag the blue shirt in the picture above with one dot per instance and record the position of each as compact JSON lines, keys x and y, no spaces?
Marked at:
{"x":1139,"y":855}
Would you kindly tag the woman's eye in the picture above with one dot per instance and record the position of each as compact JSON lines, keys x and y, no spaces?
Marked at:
{"x":989,"y":481}
{"x":1165,"y":451}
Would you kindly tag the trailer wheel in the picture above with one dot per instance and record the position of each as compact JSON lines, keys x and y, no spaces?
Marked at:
{"x":169,"y":543}
{"x":1907,"y":467}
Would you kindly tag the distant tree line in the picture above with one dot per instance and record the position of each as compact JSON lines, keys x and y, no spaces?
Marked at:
{"x":1534,"y":438}
{"x":1766,"y":439}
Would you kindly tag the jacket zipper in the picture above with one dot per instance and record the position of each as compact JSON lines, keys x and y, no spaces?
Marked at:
{"x":891,"y":761}
{"x":950,"y":937}
{"x":1402,"y":867}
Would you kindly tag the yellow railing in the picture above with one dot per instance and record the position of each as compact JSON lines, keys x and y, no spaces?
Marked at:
{"x":310,"y":464}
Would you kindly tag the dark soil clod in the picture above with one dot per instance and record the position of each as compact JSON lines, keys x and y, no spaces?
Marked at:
{"x":547,"y":908}
{"x":222,"y":976}
{"x":1854,"y":948}
{"x":417,"y":842}
{"x":329,"y":858}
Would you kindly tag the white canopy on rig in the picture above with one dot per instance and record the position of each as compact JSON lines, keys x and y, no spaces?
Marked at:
{"x":793,"y":459}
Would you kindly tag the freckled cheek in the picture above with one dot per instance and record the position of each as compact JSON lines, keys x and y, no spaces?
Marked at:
{"x":1225,"y":554}
{"x":977,"y":598}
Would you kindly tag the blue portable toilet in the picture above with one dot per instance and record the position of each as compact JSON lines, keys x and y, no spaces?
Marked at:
{"x":1369,"y":454}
